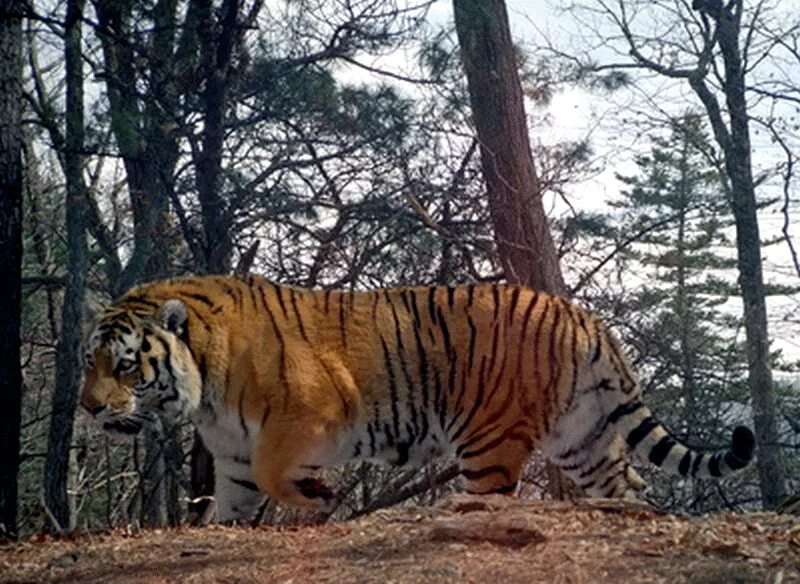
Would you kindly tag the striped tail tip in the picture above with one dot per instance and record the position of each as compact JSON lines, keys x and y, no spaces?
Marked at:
{"x":651,"y":441}
{"x":743,"y":444}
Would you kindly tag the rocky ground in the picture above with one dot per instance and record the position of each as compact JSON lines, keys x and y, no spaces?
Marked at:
{"x":466,"y":539}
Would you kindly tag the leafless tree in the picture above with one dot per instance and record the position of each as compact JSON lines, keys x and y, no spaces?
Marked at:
{"x":733,"y":56}
{"x":68,"y":363}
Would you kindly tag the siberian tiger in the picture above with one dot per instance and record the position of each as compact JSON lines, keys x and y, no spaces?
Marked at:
{"x":284,"y":381}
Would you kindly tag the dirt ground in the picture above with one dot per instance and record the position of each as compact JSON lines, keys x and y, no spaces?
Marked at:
{"x":489,"y":540}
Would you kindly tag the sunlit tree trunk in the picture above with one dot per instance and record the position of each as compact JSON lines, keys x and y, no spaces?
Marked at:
{"x":524,"y":242}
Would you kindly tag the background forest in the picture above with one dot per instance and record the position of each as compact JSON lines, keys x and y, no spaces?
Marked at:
{"x":342,"y":143}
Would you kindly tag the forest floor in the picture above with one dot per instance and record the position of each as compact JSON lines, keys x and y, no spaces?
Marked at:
{"x":490,"y":540}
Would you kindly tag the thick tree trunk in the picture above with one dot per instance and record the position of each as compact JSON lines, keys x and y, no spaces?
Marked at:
{"x":748,"y":242}
{"x":10,"y":260}
{"x":68,"y":372}
{"x":143,"y":135}
{"x":770,"y":466}
{"x":524,"y":243}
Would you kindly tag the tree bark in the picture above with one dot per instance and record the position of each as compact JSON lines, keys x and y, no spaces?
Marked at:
{"x":524,"y":243}
{"x":10,"y":260}
{"x":68,"y":370}
{"x":143,"y":132}
{"x":734,"y":140}
{"x":217,"y":43}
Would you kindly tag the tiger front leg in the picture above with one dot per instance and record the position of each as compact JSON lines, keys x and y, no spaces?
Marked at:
{"x":237,"y":496}
{"x":286,"y":457}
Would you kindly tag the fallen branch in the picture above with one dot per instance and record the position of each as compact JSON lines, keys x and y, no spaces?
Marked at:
{"x":400,"y":495}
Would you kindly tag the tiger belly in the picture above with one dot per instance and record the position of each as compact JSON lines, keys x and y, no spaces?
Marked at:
{"x":380,"y":443}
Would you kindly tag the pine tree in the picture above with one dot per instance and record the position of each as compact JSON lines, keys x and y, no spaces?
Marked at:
{"x":690,"y":357}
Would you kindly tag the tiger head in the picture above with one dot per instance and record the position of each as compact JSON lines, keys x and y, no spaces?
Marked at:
{"x":138,"y":364}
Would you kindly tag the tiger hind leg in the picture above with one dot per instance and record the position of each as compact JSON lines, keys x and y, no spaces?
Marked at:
{"x":599,"y":466}
{"x":237,"y":496}
{"x":604,"y":471}
{"x":495,"y":467}
{"x":591,"y":452}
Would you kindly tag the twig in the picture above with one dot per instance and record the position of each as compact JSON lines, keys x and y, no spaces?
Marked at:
{"x":405,"y":493}
{"x":53,"y":521}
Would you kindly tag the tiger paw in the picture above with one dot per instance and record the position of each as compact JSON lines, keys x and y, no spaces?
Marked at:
{"x":634,"y":479}
{"x":312,"y":488}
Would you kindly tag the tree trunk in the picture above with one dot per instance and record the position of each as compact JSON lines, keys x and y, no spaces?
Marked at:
{"x":748,"y":243}
{"x":217,"y":42}
{"x":143,"y":134}
{"x":10,"y":260}
{"x":68,"y":371}
{"x":524,"y":243}
{"x":735,"y":143}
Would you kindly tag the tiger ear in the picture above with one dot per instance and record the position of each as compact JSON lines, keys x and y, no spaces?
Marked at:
{"x":172,"y":316}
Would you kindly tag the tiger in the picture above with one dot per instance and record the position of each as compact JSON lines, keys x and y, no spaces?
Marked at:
{"x":283,"y":382}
